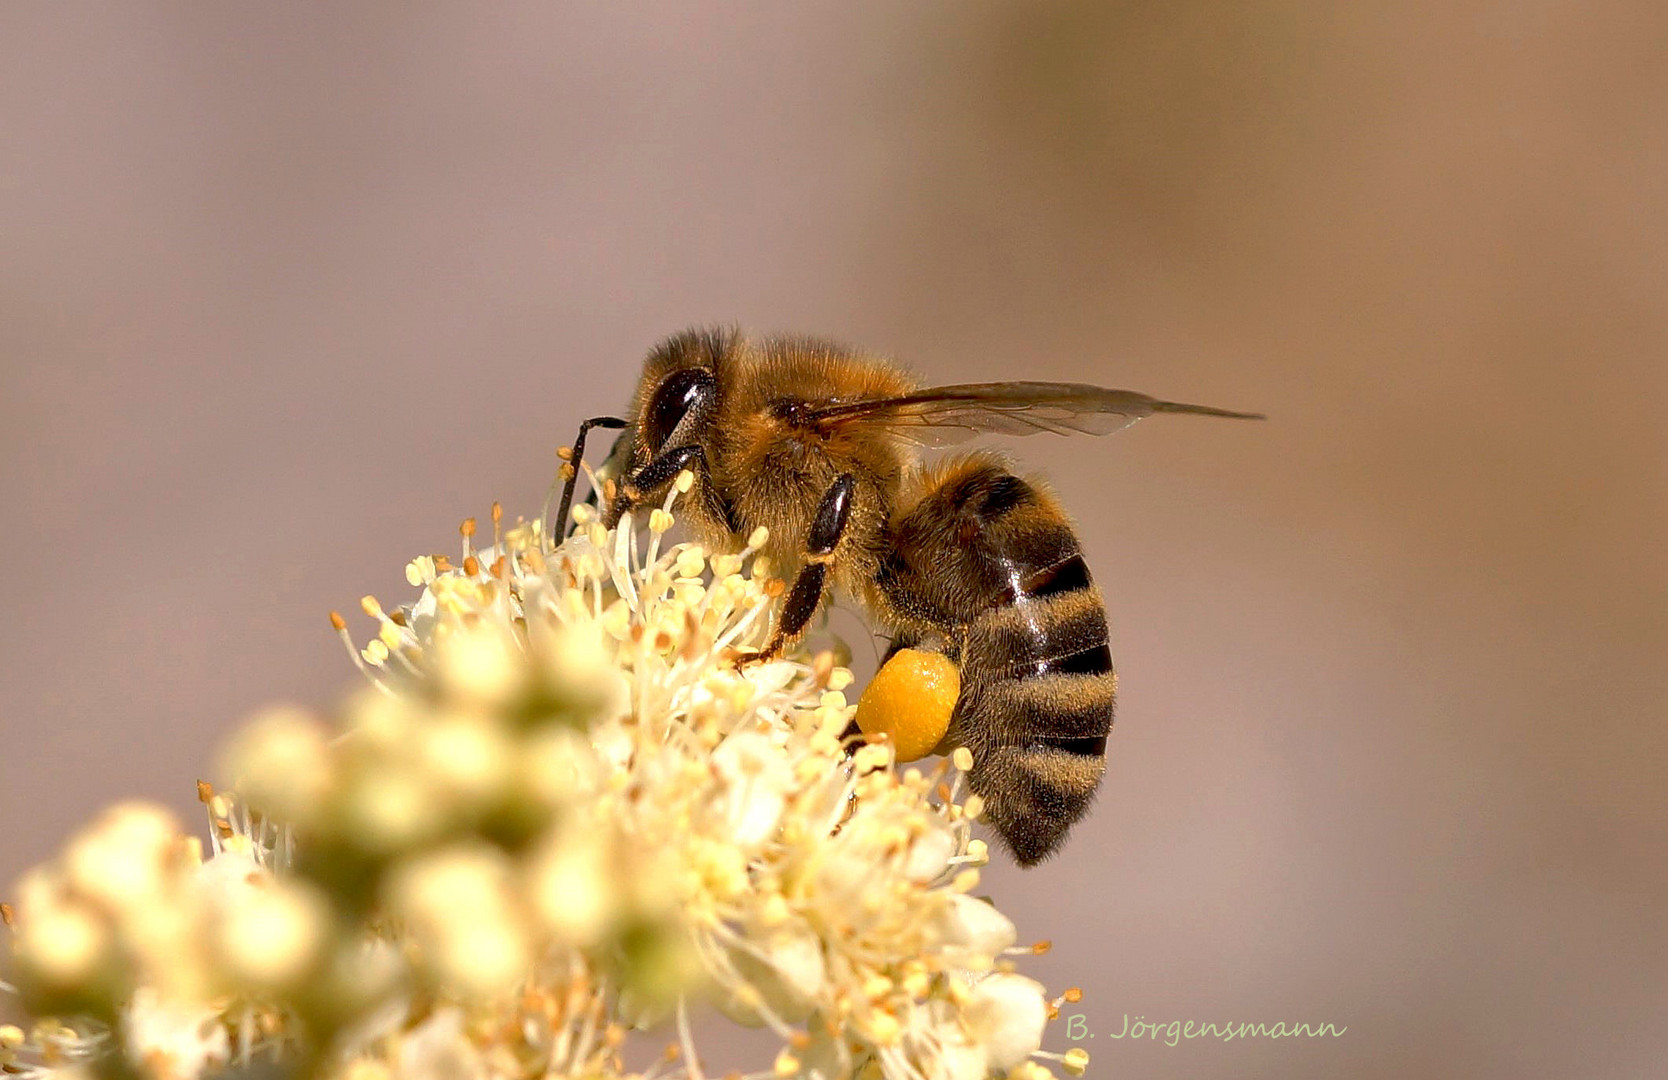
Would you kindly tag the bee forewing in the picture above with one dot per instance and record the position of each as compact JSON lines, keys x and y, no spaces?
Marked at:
{"x":951,"y":414}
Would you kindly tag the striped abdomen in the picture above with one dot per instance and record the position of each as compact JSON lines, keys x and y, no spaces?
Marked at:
{"x":992,"y":565}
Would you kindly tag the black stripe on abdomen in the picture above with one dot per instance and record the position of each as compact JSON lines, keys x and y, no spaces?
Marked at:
{"x":1094,"y":660}
{"x":1064,"y":708}
{"x":1069,"y":576}
{"x":1064,"y":634}
{"x":1068,"y":716}
{"x":1094,"y":746}
{"x":1041,"y":671}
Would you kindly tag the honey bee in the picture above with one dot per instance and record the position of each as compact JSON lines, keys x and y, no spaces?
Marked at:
{"x":821,"y":445}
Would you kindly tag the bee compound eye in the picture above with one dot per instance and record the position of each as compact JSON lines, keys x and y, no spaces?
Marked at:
{"x":677,"y":394}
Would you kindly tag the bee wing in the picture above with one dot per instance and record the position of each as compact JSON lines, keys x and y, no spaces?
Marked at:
{"x":950,"y":414}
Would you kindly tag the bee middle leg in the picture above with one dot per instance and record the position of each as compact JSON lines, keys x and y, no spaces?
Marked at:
{"x":805,"y":596}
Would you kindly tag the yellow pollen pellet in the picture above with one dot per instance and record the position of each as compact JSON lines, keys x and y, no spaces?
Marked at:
{"x":910,"y":701}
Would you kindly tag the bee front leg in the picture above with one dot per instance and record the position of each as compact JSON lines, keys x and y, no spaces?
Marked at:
{"x":806,"y":595}
{"x":658,"y":471}
{"x":570,"y":468}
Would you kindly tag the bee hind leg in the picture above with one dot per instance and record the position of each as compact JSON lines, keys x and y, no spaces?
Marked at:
{"x":805,"y":596}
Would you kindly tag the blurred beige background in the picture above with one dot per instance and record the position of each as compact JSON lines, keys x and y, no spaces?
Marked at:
{"x":288,"y":290}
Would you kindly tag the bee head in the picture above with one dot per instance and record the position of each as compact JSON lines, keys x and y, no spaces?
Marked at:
{"x":679,"y":391}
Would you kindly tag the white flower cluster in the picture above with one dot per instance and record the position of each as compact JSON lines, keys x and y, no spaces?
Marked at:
{"x":132,"y":929}
{"x":562,"y":811}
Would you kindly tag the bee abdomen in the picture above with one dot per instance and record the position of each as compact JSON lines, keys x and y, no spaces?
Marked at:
{"x":1037,"y":673}
{"x":1037,"y":705}
{"x":990,"y":562}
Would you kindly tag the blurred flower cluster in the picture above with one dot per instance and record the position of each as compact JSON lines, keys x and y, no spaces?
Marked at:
{"x":560,"y":812}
